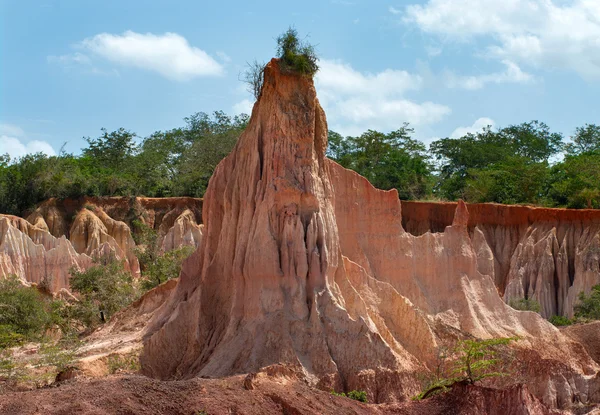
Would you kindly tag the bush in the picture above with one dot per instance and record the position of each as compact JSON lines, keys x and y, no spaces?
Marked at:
{"x":525,"y":304}
{"x":24,"y":313}
{"x":561,"y":321}
{"x":157,"y":266}
{"x":104,"y":289}
{"x":356,"y":395}
{"x":295,"y":55}
{"x":128,"y":363}
{"x":589,"y":305}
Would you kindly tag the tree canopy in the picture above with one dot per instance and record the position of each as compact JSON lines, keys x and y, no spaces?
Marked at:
{"x":524,"y":163}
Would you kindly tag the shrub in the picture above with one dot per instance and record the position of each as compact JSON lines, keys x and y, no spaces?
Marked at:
{"x":357,"y":395}
{"x":561,"y":321}
{"x":588,"y":306}
{"x":24,"y":314}
{"x":295,"y":55}
{"x":128,"y":363}
{"x":157,"y":266}
{"x":104,"y":288}
{"x":525,"y":304}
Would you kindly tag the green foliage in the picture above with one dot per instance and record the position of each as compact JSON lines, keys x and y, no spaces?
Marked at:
{"x":59,"y":355}
{"x":505,"y":166}
{"x":24,"y":313}
{"x":157,"y":266}
{"x":104,"y":289}
{"x":129,"y":363}
{"x":295,"y":55}
{"x":585,"y":140}
{"x":561,"y":321}
{"x":470,"y":361}
{"x":11,"y":371}
{"x":356,"y":395}
{"x":389,"y":161}
{"x":177,"y":162}
{"x":525,"y":304}
{"x":588,"y":306}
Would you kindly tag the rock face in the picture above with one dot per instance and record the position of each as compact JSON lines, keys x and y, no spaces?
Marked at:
{"x":59,"y":235}
{"x":550,"y":255}
{"x":305,"y":263}
{"x":35,"y":256}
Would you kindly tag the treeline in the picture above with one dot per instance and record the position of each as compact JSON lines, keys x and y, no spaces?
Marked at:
{"x":525,"y":163}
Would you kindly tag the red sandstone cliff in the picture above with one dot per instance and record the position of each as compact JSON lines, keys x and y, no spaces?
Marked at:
{"x":550,"y":255}
{"x":305,"y":263}
{"x":61,"y":234}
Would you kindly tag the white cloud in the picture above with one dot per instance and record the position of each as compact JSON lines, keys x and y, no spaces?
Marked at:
{"x":355,"y":101}
{"x":16,"y":148}
{"x":169,"y":54}
{"x":563,"y":34}
{"x":75,"y":58}
{"x":394,"y":10}
{"x":13,"y":141}
{"x":512,"y":74}
{"x":10,"y":129}
{"x":244,"y":106}
{"x":477,"y":126}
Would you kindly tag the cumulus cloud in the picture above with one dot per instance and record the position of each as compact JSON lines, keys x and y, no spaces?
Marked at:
{"x":512,"y":74}
{"x":477,"y":126}
{"x":168,"y":54}
{"x":543,"y":33}
{"x":356,"y":101}
{"x":13,"y":141}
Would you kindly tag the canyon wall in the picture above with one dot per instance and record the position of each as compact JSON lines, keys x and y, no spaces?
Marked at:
{"x":62,"y":234}
{"x":550,"y":255}
{"x":305,"y":264}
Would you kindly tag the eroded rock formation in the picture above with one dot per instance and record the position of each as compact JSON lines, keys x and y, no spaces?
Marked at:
{"x":305,"y":263}
{"x":550,"y":255}
{"x":61,"y":234}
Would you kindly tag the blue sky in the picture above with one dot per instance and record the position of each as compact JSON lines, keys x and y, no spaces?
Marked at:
{"x":70,"y":67}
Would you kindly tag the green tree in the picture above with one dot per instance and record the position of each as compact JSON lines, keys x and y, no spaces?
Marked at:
{"x":389,"y":161}
{"x":509,"y":165}
{"x":585,"y":140}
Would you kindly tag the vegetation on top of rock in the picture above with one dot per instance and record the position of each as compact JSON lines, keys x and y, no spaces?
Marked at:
{"x":295,"y":55}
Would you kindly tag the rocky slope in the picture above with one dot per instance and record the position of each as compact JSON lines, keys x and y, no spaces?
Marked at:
{"x":268,"y":394}
{"x":306,"y":264}
{"x":61,"y":234}
{"x":550,"y":255}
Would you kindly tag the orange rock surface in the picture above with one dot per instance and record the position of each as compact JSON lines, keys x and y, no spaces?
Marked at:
{"x":550,"y":255}
{"x":305,"y":263}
